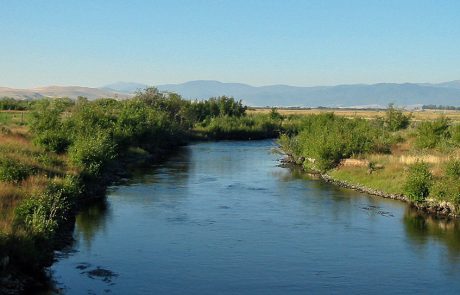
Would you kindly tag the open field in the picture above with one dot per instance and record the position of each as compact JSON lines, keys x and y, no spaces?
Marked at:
{"x":368,"y":114}
{"x":13,"y":117}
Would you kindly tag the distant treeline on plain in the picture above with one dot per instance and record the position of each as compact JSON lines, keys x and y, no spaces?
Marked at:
{"x":440,"y":107}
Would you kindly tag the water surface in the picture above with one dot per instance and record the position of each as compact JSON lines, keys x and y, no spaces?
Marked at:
{"x":224,"y":218}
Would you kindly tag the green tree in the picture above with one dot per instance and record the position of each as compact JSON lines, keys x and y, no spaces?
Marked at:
{"x":419,"y":181}
{"x":395,"y":119}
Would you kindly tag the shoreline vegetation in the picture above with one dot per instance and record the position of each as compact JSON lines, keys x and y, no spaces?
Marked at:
{"x":392,"y":157}
{"x":56,"y":154}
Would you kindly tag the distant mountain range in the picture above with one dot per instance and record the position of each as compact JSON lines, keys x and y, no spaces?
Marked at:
{"x":407,"y":94}
{"x":354,"y":95}
{"x":60,"y":91}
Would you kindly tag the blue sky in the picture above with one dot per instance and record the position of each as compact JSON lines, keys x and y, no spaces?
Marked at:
{"x":322,"y":42}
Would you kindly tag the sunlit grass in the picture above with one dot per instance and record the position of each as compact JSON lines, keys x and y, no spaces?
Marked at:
{"x":16,"y":145}
{"x":367,"y":114}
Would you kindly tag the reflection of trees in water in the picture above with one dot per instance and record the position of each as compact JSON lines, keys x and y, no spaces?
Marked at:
{"x":90,"y":220}
{"x":421,"y":228}
{"x":176,"y":165}
{"x":324,"y":198}
{"x":94,"y":217}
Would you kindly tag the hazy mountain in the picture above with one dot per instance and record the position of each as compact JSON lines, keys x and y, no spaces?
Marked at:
{"x":451,"y":84}
{"x":356,"y":95}
{"x":60,"y":91}
{"x":125,"y":87}
{"x":19,"y":93}
{"x":342,"y":95}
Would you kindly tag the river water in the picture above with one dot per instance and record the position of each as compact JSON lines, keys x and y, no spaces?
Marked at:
{"x":224,"y":218}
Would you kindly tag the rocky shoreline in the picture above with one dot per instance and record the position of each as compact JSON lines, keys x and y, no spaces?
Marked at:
{"x":432,"y":207}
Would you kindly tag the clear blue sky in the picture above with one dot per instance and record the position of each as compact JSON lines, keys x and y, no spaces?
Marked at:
{"x":322,"y":42}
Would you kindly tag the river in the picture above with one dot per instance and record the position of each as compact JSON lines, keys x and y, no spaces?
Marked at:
{"x":225,"y":218}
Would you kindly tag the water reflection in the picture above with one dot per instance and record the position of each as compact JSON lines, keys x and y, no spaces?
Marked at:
{"x":421,"y":229}
{"x":92,"y":219}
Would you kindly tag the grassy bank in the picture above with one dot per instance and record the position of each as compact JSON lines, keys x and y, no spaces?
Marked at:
{"x":390,"y":154}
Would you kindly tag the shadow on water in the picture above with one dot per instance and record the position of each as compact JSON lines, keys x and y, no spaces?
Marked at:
{"x":177,"y":164}
{"x":421,"y":229}
{"x":95,"y":216}
{"x":91,"y":219}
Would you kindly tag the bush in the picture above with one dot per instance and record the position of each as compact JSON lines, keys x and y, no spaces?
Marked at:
{"x":217,"y":107}
{"x":44,"y":214}
{"x":93,"y":153}
{"x":418,"y":183}
{"x":328,"y":139}
{"x":47,"y":125}
{"x":53,"y":140}
{"x":12,"y":170}
{"x":452,"y":169}
{"x":446,"y":189}
{"x":395,"y":119}
{"x":432,"y":134}
{"x":244,"y":127}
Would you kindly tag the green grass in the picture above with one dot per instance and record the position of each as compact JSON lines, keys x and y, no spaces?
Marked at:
{"x":385,"y":180}
{"x":14,"y":117}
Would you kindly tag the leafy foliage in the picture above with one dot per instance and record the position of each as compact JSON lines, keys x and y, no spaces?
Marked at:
{"x":93,"y":153}
{"x":452,"y":169}
{"x":13,"y":171}
{"x":42,"y":215}
{"x":7,"y":103}
{"x":327,"y":139}
{"x":419,"y":182}
{"x":395,"y":119}
{"x":244,"y":127}
{"x":431,"y":134}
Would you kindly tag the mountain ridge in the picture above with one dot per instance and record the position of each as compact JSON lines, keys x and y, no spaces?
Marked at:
{"x":381,"y":94}
{"x":344,"y":95}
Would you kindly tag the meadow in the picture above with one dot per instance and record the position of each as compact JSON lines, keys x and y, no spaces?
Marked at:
{"x":416,"y":115}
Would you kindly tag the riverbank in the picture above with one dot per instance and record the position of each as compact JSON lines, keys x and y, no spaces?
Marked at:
{"x":432,"y":207}
{"x":386,"y":156}
{"x":19,"y":272}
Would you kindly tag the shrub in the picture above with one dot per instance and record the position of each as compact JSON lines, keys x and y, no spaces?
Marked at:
{"x":44,"y":214}
{"x":446,"y":189}
{"x":217,"y":107}
{"x":275,"y":115}
{"x":395,"y":119}
{"x":452,"y":169}
{"x":12,"y":170}
{"x":53,"y":140}
{"x":431,"y":134}
{"x":92,"y":153}
{"x":418,"y":183}
{"x":244,"y":127}
{"x":329,"y":139}
{"x":47,"y":126}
